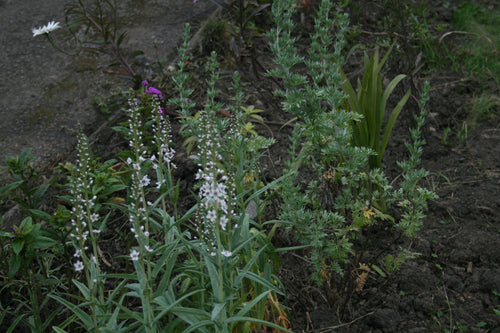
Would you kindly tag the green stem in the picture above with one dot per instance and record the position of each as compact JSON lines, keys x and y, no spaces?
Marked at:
{"x":58,"y":48}
{"x":35,"y":292}
{"x":114,"y":46}
{"x":220,"y":292}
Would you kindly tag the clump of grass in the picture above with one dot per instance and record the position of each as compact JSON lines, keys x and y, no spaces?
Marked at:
{"x":485,"y":106}
{"x":477,"y":51}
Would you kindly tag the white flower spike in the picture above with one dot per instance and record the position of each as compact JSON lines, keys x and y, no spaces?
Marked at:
{"x":51,"y":26}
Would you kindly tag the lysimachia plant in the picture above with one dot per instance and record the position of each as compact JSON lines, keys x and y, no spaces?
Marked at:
{"x":240,"y":277}
{"x":208,"y":269}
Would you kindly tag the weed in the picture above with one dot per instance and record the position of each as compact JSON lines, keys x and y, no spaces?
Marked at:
{"x":446,"y":135}
{"x":476,"y":52}
{"x":24,"y":188}
{"x":484,"y":107}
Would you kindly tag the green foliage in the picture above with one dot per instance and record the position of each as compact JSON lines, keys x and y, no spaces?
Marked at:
{"x":393,"y":264}
{"x":213,"y":266}
{"x":486,"y":106}
{"x":14,"y":323}
{"x":473,"y":46}
{"x":370,"y":101}
{"x":25,"y":240}
{"x":333,"y":192}
{"x":411,"y":195}
{"x":30,"y":249}
{"x":209,"y":269}
{"x":24,"y":188}
{"x":233,"y":37}
{"x":99,"y":20}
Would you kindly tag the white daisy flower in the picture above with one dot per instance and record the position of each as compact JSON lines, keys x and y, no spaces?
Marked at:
{"x":51,"y":26}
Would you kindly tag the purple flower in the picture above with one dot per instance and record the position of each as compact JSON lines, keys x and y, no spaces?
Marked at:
{"x":162,"y":111}
{"x":144,"y":83}
{"x":154,"y":91}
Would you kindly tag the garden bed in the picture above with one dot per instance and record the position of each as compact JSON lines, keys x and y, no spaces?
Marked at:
{"x":453,"y":284}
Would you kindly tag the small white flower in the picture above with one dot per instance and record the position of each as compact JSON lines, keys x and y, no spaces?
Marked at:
{"x":211,"y":215}
{"x":78,"y":253}
{"x":148,"y":248}
{"x":94,"y":217}
{"x":145,"y":181}
{"x":223,"y":222}
{"x":51,"y":26}
{"x":78,"y":266}
{"x":134,"y":255}
{"x":226,"y":253}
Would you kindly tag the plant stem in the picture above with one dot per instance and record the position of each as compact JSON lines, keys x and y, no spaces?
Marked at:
{"x":114,"y":47}
{"x":34,"y":293}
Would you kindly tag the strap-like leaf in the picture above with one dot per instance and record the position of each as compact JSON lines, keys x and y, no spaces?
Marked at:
{"x":85,"y":318}
{"x":390,"y":123}
{"x":257,"y":321}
